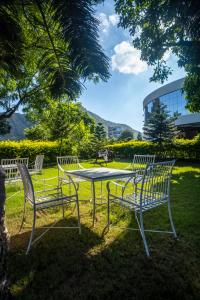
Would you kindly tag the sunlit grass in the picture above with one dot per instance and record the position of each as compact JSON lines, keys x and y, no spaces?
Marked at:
{"x":65,"y":265}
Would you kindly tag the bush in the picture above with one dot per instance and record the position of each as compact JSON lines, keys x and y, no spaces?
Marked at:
{"x":179,"y":149}
{"x":26,"y":148}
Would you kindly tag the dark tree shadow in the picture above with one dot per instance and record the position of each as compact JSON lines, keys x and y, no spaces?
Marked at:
{"x":62,"y":266}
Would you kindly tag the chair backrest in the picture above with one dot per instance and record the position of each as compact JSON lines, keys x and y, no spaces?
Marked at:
{"x":141,"y":161}
{"x":39,"y":162}
{"x":27,"y":183}
{"x":102,"y":153}
{"x":155,"y":186}
{"x":66,"y":163}
{"x":10,"y":167}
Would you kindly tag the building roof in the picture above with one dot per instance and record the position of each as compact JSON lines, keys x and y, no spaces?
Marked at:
{"x":165,"y":89}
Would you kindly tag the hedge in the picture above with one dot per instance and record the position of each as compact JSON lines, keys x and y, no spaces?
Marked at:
{"x":26,"y":148}
{"x":179,"y":149}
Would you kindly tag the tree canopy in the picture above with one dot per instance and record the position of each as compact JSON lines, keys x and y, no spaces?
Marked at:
{"x":126,"y":135}
{"x":60,"y":120}
{"x":159,"y":27}
{"x":48,"y":47}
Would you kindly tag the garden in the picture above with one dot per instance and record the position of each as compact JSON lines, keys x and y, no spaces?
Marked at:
{"x":120,"y":193}
{"x":95,"y":265}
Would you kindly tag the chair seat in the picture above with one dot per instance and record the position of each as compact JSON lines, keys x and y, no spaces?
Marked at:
{"x":53,"y":198}
{"x":132,"y":201}
{"x":34,"y":171}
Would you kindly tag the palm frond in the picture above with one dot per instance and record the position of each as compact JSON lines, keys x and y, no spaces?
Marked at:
{"x":80,"y":31}
{"x":11,"y":38}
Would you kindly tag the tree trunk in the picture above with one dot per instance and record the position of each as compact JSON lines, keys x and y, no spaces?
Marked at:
{"x":4,"y":284}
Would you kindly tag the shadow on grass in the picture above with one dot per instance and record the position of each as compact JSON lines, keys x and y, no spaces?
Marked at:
{"x":62,"y":265}
{"x":58,"y":260}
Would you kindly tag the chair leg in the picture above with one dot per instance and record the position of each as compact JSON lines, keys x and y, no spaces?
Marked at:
{"x":116,"y":190}
{"x":78,"y":212}
{"x":32,"y":232}
{"x":143,"y":234}
{"x":94,"y":202}
{"x":23,"y":216}
{"x":108,"y":212}
{"x":70,"y":190}
{"x":101,"y":191}
{"x":63,"y":209}
{"x":171,"y":220}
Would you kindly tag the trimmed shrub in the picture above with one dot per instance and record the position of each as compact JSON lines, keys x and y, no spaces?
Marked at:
{"x":179,"y":149}
{"x":26,"y":148}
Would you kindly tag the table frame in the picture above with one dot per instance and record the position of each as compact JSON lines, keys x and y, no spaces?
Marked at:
{"x":79,"y":173}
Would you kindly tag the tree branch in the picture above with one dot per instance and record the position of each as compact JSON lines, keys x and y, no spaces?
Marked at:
{"x":7,"y":114}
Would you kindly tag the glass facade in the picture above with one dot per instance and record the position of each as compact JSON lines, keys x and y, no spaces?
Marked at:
{"x":174,"y":101}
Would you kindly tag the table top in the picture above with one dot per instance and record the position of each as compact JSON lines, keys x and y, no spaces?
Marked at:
{"x":97,"y":174}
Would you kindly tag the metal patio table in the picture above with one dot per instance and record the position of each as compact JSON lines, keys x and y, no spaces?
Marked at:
{"x":99,"y":174}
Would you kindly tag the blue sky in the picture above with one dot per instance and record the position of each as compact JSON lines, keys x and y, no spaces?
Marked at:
{"x":120,"y":99}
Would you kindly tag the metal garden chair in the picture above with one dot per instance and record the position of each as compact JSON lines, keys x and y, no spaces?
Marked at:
{"x":37,"y":165}
{"x":139,"y":164}
{"x":140,"y":161}
{"x":152,"y":191}
{"x":43,"y":200}
{"x":66,"y":163}
{"x":10,"y":167}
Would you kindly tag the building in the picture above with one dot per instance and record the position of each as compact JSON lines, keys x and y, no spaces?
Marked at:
{"x":172,"y":96}
{"x":114,"y":132}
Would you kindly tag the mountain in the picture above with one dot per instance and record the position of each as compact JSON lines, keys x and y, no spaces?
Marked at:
{"x":115,"y":126}
{"x":19,"y":122}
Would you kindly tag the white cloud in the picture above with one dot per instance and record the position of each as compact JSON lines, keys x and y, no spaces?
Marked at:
{"x":167,"y":55}
{"x":127,"y":59}
{"x":104,"y":22}
{"x":114,"y":19}
{"x":107,"y":21}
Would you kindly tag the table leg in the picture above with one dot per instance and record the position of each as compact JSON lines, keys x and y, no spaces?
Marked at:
{"x":94,"y":202}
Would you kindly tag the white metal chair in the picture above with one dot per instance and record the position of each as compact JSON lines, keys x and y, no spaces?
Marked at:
{"x":45,"y":199}
{"x":67,"y":163}
{"x":37,"y":165}
{"x":139,"y":164}
{"x":140,"y":161}
{"x":10,"y":167}
{"x":152,"y":191}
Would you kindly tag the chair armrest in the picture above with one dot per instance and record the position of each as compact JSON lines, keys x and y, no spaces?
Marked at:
{"x":128,"y":167}
{"x":75,"y":184}
{"x":120,"y":185}
{"x":47,"y":190}
{"x":44,"y":179}
{"x":80,"y":166}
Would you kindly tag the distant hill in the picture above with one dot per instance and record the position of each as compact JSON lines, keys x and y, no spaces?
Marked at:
{"x":106,"y":124}
{"x":19,"y":122}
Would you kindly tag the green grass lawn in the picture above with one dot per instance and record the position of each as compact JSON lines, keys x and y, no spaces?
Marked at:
{"x":66,"y":265}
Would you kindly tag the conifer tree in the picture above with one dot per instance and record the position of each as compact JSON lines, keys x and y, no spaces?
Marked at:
{"x":160,"y":127}
{"x":100,"y":133}
{"x":139,"y":136}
